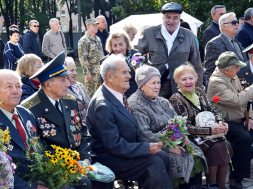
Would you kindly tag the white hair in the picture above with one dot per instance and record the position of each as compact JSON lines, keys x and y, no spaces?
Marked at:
{"x":33,"y":21}
{"x":98,"y":17}
{"x":69,"y":60}
{"x":10,"y":72}
{"x":224,"y":18}
{"x":110,"y":64}
{"x":53,"y":20}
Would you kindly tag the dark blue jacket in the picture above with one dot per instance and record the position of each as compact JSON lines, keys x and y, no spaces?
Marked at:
{"x":31,"y":44}
{"x":19,"y":149}
{"x":103,"y":37}
{"x":132,"y":82}
{"x":12,"y":53}
{"x":114,"y":131}
{"x":21,"y":41}
{"x":245,"y":34}
{"x":28,"y":88}
{"x":210,"y":32}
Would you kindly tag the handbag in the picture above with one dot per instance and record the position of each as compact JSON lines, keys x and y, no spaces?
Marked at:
{"x":207,"y":119}
{"x":208,"y":186}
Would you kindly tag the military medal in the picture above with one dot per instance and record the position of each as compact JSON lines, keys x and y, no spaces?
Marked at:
{"x":52,"y":125}
{"x":39,"y":120}
{"x":72,"y":128}
{"x":53,"y":132}
{"x":47,"y":126}
{"x":79,"y":136}
{"x":45,"y":133}
{"x":72,"y":113}
{"x":34,"y":129}
{"x":246,"y":73}
{"x":42,"y":127}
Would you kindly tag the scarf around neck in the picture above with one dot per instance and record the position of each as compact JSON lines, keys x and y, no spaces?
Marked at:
{"x":169,"y":39}
{"x":192,"y":96}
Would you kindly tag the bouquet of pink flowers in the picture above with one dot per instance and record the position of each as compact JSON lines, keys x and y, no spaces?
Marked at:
{"x":174,"y":132}
{"x":138,"y":60}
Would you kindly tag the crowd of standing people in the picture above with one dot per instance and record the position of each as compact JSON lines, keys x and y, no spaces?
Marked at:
{"x":115,"y":117}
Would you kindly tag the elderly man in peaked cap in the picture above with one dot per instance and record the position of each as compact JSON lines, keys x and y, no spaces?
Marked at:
{"x":90,"y":51}
{"x":225,"y":84}
{"x":58,"y":117}
{"x":170,"y":46}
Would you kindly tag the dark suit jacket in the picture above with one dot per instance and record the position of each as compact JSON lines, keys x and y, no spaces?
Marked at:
{"x":245,"y":34}
{"x":214,"y":49}
{"x":114,"y":131}
{"x":245,"y":76}
{"x":19,"y":149}
{"x":41,"y":107}
{"x":211,"y":31}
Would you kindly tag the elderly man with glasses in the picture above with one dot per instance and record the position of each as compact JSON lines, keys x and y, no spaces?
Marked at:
{"x":31,"y":39}
{"x":224,"y":42}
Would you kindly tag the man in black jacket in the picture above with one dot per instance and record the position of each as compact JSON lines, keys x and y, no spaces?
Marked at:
{"x":31,"y":39}
{"x":102,"y":33}
{"x":213,"y":30}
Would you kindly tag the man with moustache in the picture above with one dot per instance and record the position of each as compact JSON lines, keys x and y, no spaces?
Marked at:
{"x":90,"y":51}
{"x":58,"y":116}
{"x":222,"y":43}
{"x":170,"y":46}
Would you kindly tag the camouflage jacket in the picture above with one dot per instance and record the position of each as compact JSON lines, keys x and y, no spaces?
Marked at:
{"x":90,"y":51}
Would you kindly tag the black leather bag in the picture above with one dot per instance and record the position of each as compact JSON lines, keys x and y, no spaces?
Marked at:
{"x":208,"y":186}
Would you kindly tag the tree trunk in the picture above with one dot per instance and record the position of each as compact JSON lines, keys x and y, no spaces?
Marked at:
{"x":34,"y":4}
{"x":6,"y":18}
{"x":16,"y":12}
{"x":96,"y":9}
{"x":22,"y":22}
{"x":54,"y":8}
{"x":48,"y":5}
{"x":70,"y":22}
{"x":44,"y":7}
{"x":9,"y":6}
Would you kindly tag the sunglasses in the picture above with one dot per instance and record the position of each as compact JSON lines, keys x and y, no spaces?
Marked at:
{"x":36,"y":26}
{"x":233,"y":22}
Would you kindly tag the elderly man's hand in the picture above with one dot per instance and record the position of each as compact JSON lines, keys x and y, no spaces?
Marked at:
{"x":88,"y":77}
{"x":177,"y":151}
{"x":41,"y":187}
{"x":155,"y":147}
{"x":250,"y":124}
{"x":219,"y":129}
{"x":225,"y":125}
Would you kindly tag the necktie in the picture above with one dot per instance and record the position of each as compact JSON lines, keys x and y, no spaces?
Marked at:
{"x":126,"y":104}
{"x":57,"y":107}
{"x":20,"y":129}
{"x":237,"y":49}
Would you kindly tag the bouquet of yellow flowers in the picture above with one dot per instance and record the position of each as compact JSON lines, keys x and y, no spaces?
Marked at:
{"x":55,"y":169}
{"x":7,"y":167}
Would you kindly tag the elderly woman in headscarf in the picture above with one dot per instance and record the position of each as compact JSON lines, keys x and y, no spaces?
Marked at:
{"x":190,"y":101}
{"x":28,"y":65}
{"x":151,"y":112}
{"x":76,"y":88}
{"x":118,"y":42}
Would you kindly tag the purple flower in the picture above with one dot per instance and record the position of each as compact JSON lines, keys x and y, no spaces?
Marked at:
{"x":13,"y":166}
{"x":175,"y":129}
{"x":177,"y":134}
{"x":1,"y":183}
{"x":168,"y":141}
{"x":135,"y":58}
{"x":185,"y":128}
{"x":8,"y":182}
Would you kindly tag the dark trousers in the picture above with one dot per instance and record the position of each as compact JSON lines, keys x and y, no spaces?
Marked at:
{"x":152,"y":172}
{"x":165,"y":90}
{"x":241,"y":144}
{"x":86,"y":183}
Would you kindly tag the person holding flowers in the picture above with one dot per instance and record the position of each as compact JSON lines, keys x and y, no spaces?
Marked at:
{"x":152,"y":112}
{"x":190,"y":101}
{"x":118,"y":42}
{"x":225,"y":84}
{"x":21,"y":124}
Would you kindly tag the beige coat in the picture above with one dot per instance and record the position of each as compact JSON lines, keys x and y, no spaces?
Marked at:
{"x":233,"y":98}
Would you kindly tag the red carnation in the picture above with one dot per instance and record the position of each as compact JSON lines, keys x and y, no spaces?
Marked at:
{"x":216,"y":99}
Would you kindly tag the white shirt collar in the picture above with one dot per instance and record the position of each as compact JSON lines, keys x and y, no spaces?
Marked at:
{"x":251,"y":66}
{"x":53,"y":101}
{"x":118,"y":95}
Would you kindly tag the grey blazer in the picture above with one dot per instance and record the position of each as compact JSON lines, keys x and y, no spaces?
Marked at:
{"x":214,"y":49}
{"x":82,"y":103}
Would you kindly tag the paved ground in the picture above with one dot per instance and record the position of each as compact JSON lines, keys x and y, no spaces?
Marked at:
{"x":247,"y":183}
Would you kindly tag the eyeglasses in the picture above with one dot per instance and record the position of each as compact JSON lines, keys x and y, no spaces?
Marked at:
{"x":36,"y":26}
{"x":233,"y":22}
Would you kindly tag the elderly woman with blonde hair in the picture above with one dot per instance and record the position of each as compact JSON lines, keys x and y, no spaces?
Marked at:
{"x":205,"y":132}
{"x":76,"y":88}
{"x":131,"y":31}
{"x":118,"y":42}
{"x":28,"y":65}
{"x":151,"y":112}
